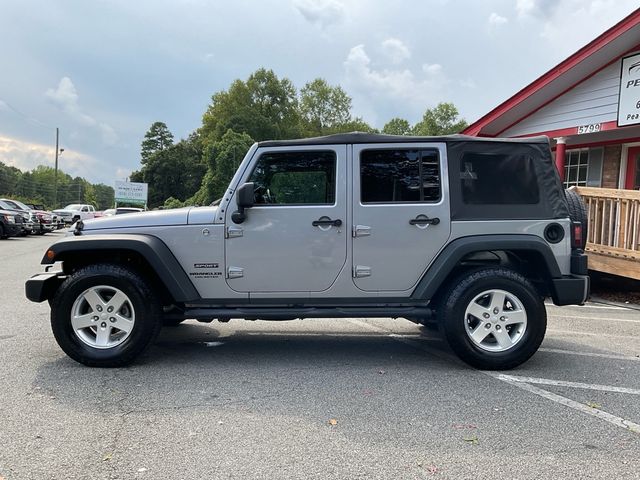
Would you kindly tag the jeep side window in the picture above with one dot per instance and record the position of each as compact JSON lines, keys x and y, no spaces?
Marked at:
{"x":399,"y":175}
{"x":295,"y":178}
{"x":492,"y":179}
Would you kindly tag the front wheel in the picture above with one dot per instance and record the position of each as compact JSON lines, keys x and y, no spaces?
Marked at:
{"x":493,"y":318}
{"x":105,"y":315}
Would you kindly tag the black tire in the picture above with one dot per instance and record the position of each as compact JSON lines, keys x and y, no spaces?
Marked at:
{"x":3,"y":236}
{"x":452,"y":307}
{"x":148,"y":315}
{"x":577,"y":212}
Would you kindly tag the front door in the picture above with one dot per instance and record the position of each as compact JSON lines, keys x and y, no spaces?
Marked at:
{"x":632,"y":177}
{"x":401,"y":216}
{"x":294,"y":238}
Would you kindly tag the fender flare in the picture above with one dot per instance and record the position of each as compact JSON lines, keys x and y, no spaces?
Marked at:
{"x":455,"y":251}
{"x":151,"y":248}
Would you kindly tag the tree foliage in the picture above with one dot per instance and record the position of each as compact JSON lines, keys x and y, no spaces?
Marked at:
{"x":157,"y":138}
{"x":443,"y":119}
{"x":264,"y":107}
{"x":323,"y":108}
{"x":38,"y":186}
{"x":222,"y":160}
{"x":397,"y":126}
{"x":174,"y":171}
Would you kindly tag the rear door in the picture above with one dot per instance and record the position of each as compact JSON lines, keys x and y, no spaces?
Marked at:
{"x":401,"y":216}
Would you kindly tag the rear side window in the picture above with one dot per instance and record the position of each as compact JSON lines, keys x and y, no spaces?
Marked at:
{"x":399,"y":176}
{"x":489,"y":179}
{"x":295,"y":178}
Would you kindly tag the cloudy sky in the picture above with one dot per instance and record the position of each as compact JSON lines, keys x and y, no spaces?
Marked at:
{"x":103,"y":71}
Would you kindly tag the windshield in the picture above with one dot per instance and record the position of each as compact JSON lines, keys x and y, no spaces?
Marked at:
{"x":73,"y":206}
{"x":6,"y":205}
{"x":20,"y":205}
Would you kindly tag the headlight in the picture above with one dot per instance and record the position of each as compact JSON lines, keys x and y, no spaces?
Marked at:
{"x":9,"y":218}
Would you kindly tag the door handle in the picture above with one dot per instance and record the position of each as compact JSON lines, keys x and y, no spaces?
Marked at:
{"x":327,"y":222}
{"x":424,"y":220}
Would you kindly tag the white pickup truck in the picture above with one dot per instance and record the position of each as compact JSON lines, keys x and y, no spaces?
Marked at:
{"x":76,"y":211}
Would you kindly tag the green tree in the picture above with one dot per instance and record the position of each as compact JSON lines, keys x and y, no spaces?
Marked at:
{"x":157,"y":138}
{"x":354,"y":125}
{"x":323,"y":108}
{"x":223,"y":159}
{"x":441,"y":120}
{"x":397,"y":126}
{"x":175,"y":171}
{"x":264,"y":107}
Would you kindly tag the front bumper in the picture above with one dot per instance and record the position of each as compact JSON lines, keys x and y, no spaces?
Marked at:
{"x":12,"y":229}
{"x":42,"y":286}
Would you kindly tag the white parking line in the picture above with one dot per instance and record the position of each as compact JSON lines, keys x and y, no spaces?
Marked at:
{"x":605,"y":319}
{"x":605,"y":307}
{"x":591,"y":334}
{"x":567,"y":402}
{"x":562,"y":383}
{"x":590,"y":354}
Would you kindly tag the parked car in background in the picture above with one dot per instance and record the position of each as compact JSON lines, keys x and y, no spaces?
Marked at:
{"x":76,"y":211}
{"x":120,"y":211}
{"x":10,"y":224}
{"x":27,"y":223}
{"x":55,"y":219}
{"x":42,"y":220}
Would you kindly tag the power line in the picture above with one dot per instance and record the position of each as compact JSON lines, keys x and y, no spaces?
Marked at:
{"x":25,"y":117}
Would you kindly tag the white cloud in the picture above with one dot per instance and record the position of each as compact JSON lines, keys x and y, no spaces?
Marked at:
{"x":66,"y":97}
{"x":28,"y":155}
{"x":432,"y":69}
{"x":495,"y":20}
{"x":525,"y":7}
{"x":395,"y":50}
{"x":405,"y":91}
{"x":320,"y":12}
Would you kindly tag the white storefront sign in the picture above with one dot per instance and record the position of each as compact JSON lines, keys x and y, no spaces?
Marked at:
{"x":131,"y":192}
{"x":629,"y":99}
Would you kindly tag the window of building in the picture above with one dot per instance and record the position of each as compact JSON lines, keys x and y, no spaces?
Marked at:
{"x":399,"y":176}
{"x":576,"y":168}
{"x":493,"y":179}
{"x":295,"y":178}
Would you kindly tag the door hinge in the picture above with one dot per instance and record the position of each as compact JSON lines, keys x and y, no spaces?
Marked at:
{"x":235,"y":272}
{"x":233,"y":232}
{"x":361,"y":231}
{"x":360,"y":271}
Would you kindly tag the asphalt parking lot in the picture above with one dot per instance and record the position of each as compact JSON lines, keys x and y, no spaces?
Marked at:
{"x":352,"y":398}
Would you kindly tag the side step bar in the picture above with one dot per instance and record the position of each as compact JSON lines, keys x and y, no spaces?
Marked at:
{"x":255,"y":313}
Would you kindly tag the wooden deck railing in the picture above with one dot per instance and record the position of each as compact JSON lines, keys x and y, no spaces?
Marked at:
{"x":613,"y":239}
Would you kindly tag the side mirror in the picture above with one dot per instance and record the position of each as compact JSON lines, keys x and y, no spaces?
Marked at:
{"x":244,"y":199}
{"x":245,"y":195}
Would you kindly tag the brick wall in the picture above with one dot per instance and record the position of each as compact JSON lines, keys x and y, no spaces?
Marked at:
{"x":611,"y":166}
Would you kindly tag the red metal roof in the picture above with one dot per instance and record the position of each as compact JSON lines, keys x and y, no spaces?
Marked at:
{"x":622,"y":38}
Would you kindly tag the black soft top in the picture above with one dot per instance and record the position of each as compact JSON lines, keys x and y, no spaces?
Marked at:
{"x":520,"y":158}
{"x":358,"y":137}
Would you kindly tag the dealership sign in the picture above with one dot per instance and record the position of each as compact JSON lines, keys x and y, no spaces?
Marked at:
{"x":130,"y":192}
{"x":629,"y":99}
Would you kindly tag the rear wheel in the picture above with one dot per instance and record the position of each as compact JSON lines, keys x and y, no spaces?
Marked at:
{"x":493,"y":318}
{"x":105,"y":315}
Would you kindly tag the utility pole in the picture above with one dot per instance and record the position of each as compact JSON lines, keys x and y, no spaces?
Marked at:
{"x":55,"y":175}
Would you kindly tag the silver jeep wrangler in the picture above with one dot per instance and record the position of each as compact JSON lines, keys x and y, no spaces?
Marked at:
{"x":468,"y":233}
